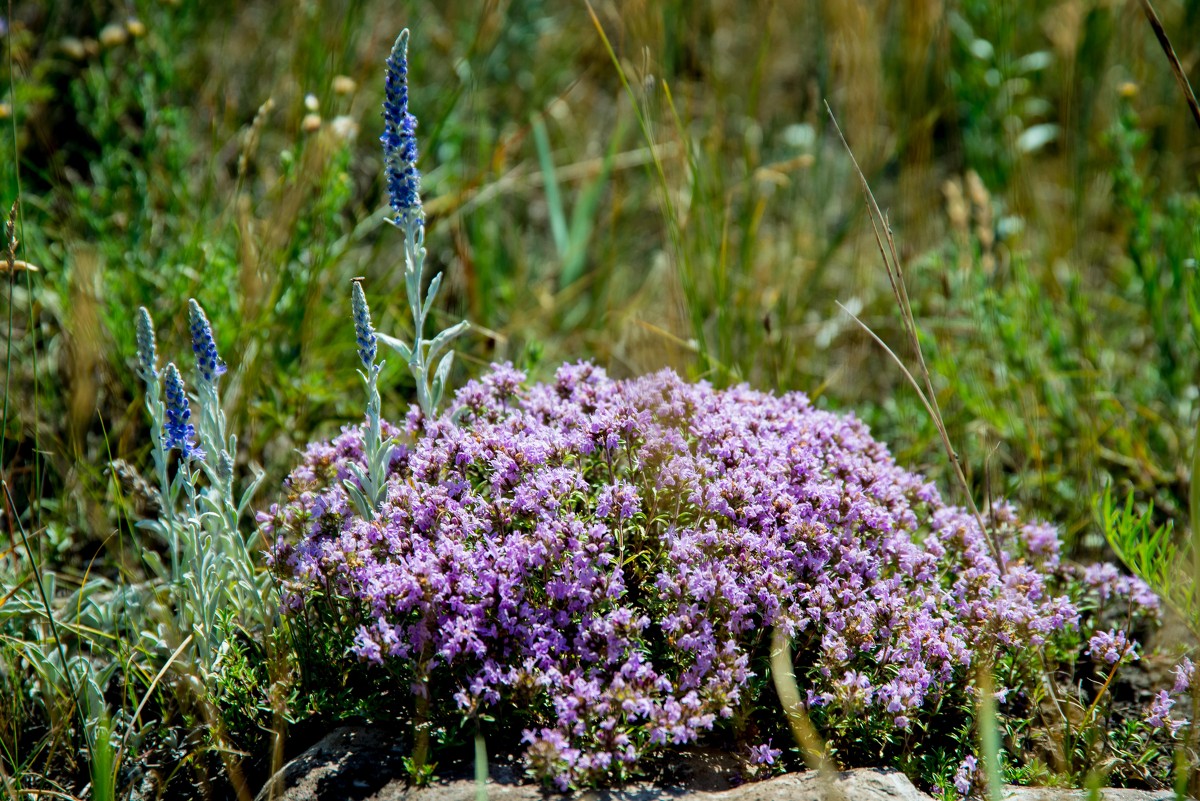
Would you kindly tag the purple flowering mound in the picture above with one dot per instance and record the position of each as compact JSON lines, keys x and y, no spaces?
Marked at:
{"x":605,"y":561}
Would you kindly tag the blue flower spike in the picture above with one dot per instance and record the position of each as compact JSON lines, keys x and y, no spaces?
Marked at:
{"x":364,"y":332}
{"x":147,"y":347}
{"x":400,"y":138}
{"x":178,"y":432}
{"x":208,"y":362}
{"x":404,"y":195}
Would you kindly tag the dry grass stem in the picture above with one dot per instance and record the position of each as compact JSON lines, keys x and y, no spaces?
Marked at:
{"x":928,"y":397}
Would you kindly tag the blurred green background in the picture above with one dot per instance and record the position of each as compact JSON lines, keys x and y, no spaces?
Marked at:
{"x":1036,"y":159}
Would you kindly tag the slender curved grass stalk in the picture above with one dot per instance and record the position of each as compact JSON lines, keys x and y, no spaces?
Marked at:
{"x":895,"y":273}
{"x":816,"y":754}
{"x":481,"y":765}
{"x":988,"y":728}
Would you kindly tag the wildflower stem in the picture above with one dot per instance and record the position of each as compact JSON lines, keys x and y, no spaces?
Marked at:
{"x":414,"y":266}
{"x":156,"y":410}
{"x":369,"y":493}
{"x":1194,"y":515}
{"x":987,"y":725}
{"x":481,"y":763}
{"x":1112,"y":674}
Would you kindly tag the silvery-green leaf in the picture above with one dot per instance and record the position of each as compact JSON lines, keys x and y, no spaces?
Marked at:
{"x":155,"y":562}
{"x":443,"y":369}
{"x":359,"y":500}
{"x":431,"y":293}
{"x":251,"y":488}
{"x":247,"y":588}
{"x":444,"y":338}
{"x":358,"y":473}
{"x":440,"y":376}
{"x":155,"y":527}
{"x":1036,"y":137}
{"x":253,"y":538}
{"x":395,"y":344}
{"x":209,"y":470}
{"x":213,"y":505}
{"x":412,"y":285}
{"x":1033,"y":62}
{"x":380,"y":461}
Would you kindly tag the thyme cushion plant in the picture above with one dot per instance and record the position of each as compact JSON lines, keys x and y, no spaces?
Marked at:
{"x":606,"y":560}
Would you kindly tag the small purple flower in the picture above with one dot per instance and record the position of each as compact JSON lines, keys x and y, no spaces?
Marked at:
{"x":399,"y":136}
{"x":1184,"y":673}
{"x":764,"y":754}
{"x":854,"y":688}
{"x":964,"y":778}
{"x":364,"y":333}
{"x":1159,"y":716}
{"x":1110,"y":583}
{"x":177,"y":431}
{"x":1043,"y":543}
{"x":208,"y":363}
{"x":1111,"y":646}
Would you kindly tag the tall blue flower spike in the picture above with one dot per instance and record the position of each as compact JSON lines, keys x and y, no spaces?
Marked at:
{"x":400,"y":137}
{"x":364,"y":333}
{"x":147,"y":347}
{"x":404,"y":193}
{"x":177,"y":431}
{"x":208,"y":363}
{"x":211,"y":563}
{"x":210,"y":422}
{"x":368,"y":487}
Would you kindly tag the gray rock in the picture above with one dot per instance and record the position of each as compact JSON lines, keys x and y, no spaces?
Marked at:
{"x":1054,"y":794}
{"x":349,"y":764}
{"x":855,"y":785}
{"x":362,"y":764}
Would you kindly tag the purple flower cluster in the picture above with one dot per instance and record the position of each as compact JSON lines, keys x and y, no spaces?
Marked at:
{"x":611,"y":556}
{"x":1185,"y":673}
{"x":1159,"y":715}
{"x":1111,"y":647}
{"x":764,"y":754}
{"x":966,"y":776}
{"x":1111,"y":586}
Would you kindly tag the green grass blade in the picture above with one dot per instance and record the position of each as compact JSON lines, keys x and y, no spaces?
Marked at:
{"x":554,"y":201}
{"x":583,"y":215}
